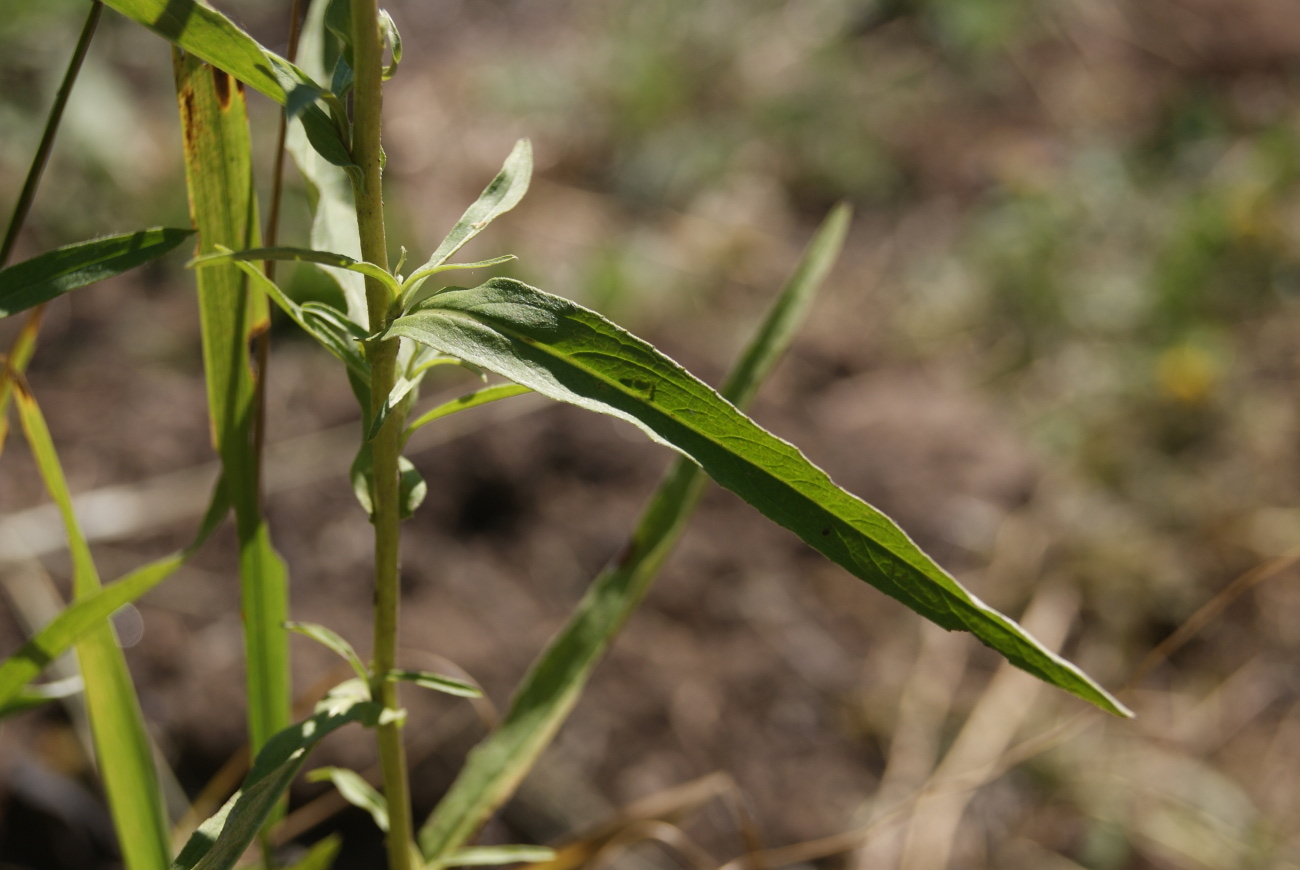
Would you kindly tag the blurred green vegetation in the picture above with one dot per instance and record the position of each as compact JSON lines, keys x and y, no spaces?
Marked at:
{"x":1095,"y":210}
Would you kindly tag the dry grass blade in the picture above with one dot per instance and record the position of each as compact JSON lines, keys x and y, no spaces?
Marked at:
{"x":673,"y":838}
{"x":669,"y":805}
{"x":984,"y":738}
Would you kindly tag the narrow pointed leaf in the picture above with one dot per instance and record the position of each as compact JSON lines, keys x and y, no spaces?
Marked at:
{"x":492,"y":856}
{"x":574,"y":355}
{"x":219,"y":842}
{"x":497,"y":198}
{"x":305,"y":255}
{"x":332,"y":640}
{"x":332,"y":331}
{"x":356,"y":791}
{"x":437,"y":682}
{"x":121,"y":744}
{"x":552,"y":685}
{"x":47,"y":276}
{"x":414,"y":297}
{"x":204,"y":32}
{"x":469,"y":400}
{"x":223,"y":202}
{"x":91,"y":610}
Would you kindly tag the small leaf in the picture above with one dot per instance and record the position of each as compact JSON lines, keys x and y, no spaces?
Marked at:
{"x":412,"y":490}
{"x":416,"y":297}
{"x":487,"y":856}
{"x":330,"y":328}
{"x":497,"y":198}
{"x":219,"y":842}
{"x":437,"y":682}
{"x":354,"y":789}
{"x":469,"y":400}
{"x":339,"y":261}
{"x":47,"y":276}
{"x":393,"y":40}
{"x":333,"y":640}
{"x":572,"y":354}
{"x":342,"y":78}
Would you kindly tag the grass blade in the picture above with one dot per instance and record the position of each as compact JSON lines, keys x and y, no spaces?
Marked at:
{"x":218,"y":173}
{"x":220,"y":841}
{"x":552,"y":686}
{"x":47,"y":276}
{"x":572,"y":354}
{"x":121,"y":743}
{"x":93,"y":608}
{"x":501,"y":195}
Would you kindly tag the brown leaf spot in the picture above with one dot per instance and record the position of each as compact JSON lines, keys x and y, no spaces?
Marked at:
{"x":221,"y":83}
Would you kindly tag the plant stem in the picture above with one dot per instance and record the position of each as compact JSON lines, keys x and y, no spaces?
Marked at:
{"x":33,"y":181}
{"x":367,"y":108}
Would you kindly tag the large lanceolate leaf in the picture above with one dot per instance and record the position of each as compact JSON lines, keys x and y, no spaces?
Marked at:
{"x":205,"y":33}
{"x":89,"y":611}
{"x":42,"y":278}
{"x":121,"y":743}
{"x":571,"y":354}
{"x":552,"y":685}
{"x":219,"y":176}
{"x":220,"y":841}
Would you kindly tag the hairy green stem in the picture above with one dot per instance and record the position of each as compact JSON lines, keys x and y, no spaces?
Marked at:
{"x":367,"y":109}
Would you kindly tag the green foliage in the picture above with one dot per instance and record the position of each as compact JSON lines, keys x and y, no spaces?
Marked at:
{"x":222,"y":839}
{"x":50,"y":275}
{"x":121,"y":743}
{"x":553,"y":684}
{"x":219,"y":176}
{"x":389,"y":333}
